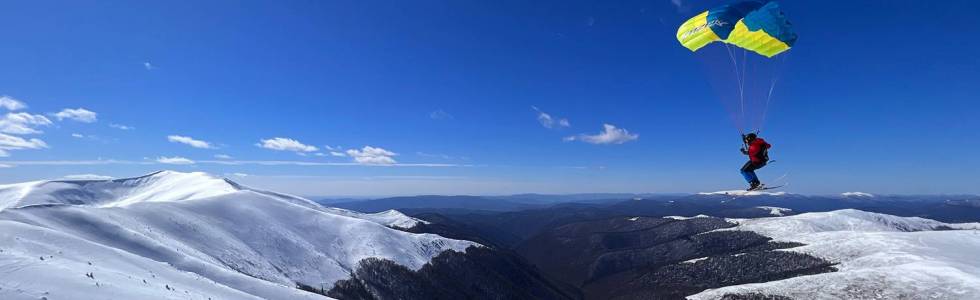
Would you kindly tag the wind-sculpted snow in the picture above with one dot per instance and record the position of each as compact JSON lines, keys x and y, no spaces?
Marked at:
{"x":190,"y":232}
{"x":878,"y":257}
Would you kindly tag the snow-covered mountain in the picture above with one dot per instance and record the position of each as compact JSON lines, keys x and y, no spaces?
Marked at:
{"x":878,"y":256}
{"x":171,"y":235}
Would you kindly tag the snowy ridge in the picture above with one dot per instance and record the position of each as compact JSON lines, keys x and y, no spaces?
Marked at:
{"x":857,"y":194}
{"x":744,"y":193}
{"x":879,"y":257}
{"x":172,"y":235}
{"x":161,"y":186}
{"x":775,"y":211}
{"x":681,"y":218}
{"x":391,"y":218}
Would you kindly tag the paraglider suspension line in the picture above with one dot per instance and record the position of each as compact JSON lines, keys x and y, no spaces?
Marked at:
{"x":741,"y":88}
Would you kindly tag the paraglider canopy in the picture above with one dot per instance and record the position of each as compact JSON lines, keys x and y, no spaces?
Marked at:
{"x":751,"y":25}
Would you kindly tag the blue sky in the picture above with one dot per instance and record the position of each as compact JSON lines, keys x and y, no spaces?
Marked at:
{"x":447,"y":97}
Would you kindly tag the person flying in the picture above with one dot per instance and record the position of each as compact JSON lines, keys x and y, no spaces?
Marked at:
{"x":758,"y":152}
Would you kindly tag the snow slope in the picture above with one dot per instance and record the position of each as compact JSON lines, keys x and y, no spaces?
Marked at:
{"x":189,"y":236}
{"x":879,"y":257}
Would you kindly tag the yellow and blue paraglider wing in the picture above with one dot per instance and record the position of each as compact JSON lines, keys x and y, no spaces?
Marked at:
{"x":764,"y":31}
{"x":757,"y":27}
{"x":713,"y":25}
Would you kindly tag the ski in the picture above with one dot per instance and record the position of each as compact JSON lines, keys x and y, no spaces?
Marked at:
{"x":766,"y":188}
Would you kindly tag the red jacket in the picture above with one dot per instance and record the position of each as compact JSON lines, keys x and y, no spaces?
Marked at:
{"x":757,"y":150}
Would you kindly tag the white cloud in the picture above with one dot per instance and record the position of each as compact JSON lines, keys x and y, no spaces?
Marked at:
{"x":11,"y":104}
{"x":372,"y":156}
{"x":87,"y":177}
{"x":337,"y":154}
{"x":440,"y":115}
{"x":189,"y":141}
{"x":285,"y":144}
{"x":78,"y":135}
{"x":77,"y":114}
{"x":4,"y":153}
{"x":222,"y":156}
{"x":22,"y":123}
{"x":9,"y":142}
{"x":3,"y":166}
{"x":121,"y":127}
{"x":176,"y":160}
{"x":239,"y":174}
{"x":609,"y":135}
{"x":148,"y":66}
{"x":549,"y":122}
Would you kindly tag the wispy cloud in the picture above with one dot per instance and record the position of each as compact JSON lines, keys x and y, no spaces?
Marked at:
{"x":78,"y":135}
{"x":148,"y":66}
{"x":176,"y":160}
{"x":222,"y":156}
{"x":440,"y":115}
{"x":609,"y":135}
{"x":238,"y":174}
{"x":77,"y":114}
{"x":547,"y":121}
{"x":87,"y":177}
{"x":337,"y":154}
{"x":121,"y":127}
{"x":285,"y":144}
{"x":10,"y":142}
{"x":433,"y":155}
{"x":22,"y":123}
{"x":372,"y":156}
{"x":189,"y":141}
{"x":10,"y":103}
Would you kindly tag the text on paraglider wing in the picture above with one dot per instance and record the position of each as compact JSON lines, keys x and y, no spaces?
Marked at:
{"x":713,"y":23}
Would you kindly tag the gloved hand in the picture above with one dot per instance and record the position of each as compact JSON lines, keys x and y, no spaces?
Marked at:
{"x":746,"y":152}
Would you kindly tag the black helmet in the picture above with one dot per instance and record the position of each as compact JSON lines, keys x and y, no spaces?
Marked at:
{"x":750,"y":136}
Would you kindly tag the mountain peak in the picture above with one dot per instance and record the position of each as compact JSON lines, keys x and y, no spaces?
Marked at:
{"x":160,"y":186}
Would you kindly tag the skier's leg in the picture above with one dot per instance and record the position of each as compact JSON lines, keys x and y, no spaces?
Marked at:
{"x":748,"y":172}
